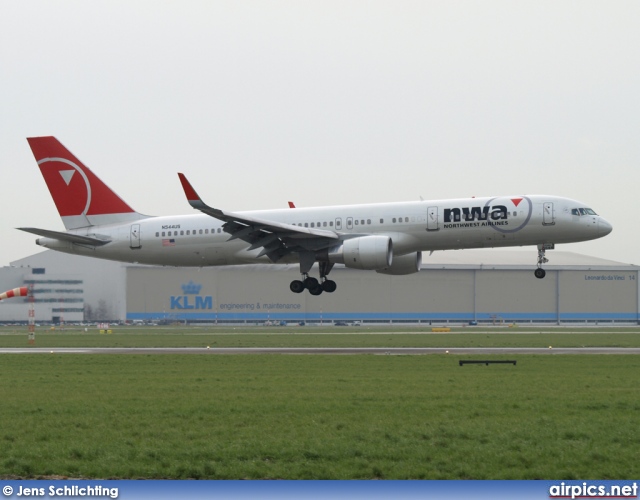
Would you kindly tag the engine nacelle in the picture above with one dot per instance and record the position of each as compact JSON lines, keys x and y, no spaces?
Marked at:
{"x":405,"y":264}
{"x":366,"y":252}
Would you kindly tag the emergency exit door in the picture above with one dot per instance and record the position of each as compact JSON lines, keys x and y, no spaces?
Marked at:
{"x":432,"y":219}
{"x":135,"y":236}
{"x":548,"y":214}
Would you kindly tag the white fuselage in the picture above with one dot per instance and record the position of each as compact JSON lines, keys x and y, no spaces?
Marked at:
{"x":199,"y":240}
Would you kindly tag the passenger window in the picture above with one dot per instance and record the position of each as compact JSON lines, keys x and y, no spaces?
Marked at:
{"x":356,"y":222}
{"x":306,"y":224}
{"x":381,"y":221}
{"x":219,"y":230}
{"x":330,"y":223}
{"x":188,"y":232}
{"x":406,"y":219}
{"x":324,"y":224}
{"x":312,"y":224}
{"x":393,"y":220}
{"x":368,"y":221}
{"x":162,"y":233}
{"x":200,"y":232}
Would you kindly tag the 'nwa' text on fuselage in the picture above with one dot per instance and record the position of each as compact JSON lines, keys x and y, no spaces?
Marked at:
{"x":475,"y":213}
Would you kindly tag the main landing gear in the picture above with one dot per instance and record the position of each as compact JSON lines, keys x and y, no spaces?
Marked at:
{"x":542,"y":259}
{"x":314,"y":286}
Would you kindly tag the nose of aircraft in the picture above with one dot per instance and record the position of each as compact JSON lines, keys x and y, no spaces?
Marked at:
{"x":604,"y":227}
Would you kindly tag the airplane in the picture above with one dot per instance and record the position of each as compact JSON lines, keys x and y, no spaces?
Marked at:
{"x":388,"y":238}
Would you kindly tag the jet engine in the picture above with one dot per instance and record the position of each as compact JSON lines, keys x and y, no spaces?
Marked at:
{"x":366,"y":252}
{"x":405,"y":264}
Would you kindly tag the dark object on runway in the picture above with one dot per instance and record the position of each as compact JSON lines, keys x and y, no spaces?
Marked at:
{"x":485,"y":361}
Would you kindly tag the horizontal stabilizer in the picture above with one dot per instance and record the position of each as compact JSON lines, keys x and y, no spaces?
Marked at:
{"x":73,"y":238}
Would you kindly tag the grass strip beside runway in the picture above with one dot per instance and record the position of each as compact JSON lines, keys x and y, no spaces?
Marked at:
{"x":329,"y":417}
{"x":266,"y":337}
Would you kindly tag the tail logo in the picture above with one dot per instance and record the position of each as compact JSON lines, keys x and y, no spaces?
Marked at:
{"x":70,"y":205}
{"x":81,"y":198}
{"x":67,"y":175}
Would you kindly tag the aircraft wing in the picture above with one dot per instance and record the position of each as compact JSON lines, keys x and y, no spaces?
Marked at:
{"x":277,"y":239}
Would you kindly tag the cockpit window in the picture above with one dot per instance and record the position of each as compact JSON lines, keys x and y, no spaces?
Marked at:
{"x":582,"y":211}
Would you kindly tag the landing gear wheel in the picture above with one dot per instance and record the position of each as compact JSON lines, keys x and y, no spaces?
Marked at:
{"x":296,"y":286}
{"x":311,"y":283}
{"x":315,"y":286}
{"x":329,"y":286}
{"x":542,"y":259}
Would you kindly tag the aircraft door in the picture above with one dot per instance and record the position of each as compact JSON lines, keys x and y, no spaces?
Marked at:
{"x":432,"y":219}
{"x":135,"y":236}
{"x":548,"y":214}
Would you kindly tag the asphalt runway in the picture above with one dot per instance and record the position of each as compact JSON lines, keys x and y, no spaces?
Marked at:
{"x":323,"y":350}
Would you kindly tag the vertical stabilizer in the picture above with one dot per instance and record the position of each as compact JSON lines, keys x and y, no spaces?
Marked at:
{"x":81,"y":197}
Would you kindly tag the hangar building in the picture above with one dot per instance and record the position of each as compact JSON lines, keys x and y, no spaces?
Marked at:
{"x":487,"y":286}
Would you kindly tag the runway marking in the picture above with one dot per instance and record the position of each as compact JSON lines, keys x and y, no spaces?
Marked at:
{"x":323,"y":350}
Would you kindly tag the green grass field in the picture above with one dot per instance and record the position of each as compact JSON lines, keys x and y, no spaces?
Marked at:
{"x":311,"y":417}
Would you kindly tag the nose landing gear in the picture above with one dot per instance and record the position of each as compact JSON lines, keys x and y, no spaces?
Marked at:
{"x":542,"y":259}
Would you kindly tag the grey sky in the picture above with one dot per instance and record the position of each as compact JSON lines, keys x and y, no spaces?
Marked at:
{"x":324,"y":103}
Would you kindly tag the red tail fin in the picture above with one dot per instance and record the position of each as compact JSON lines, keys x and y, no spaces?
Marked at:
{"x":81,"y":197}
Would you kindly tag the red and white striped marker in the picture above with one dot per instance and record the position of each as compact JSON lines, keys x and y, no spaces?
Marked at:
{"x":16,"y":292}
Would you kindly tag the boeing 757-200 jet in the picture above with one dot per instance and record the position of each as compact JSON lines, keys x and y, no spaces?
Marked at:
{"x":388,"y":238}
